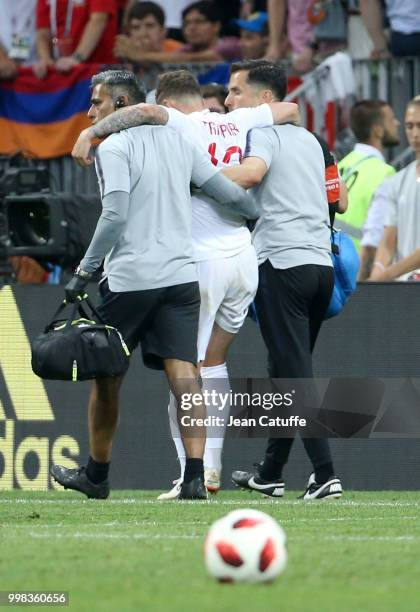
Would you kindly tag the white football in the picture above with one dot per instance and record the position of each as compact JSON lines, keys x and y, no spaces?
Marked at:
{"x":245,"y":546}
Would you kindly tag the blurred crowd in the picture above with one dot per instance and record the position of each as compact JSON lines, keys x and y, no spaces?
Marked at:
{"x":60,"y":34}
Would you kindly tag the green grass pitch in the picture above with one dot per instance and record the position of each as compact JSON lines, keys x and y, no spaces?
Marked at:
{"x":129,"y":553}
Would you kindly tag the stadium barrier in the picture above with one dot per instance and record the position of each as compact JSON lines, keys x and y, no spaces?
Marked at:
{"x":396,"y":80}
{"x":43,"y":423}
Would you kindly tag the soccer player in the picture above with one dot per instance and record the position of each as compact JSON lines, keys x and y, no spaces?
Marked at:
{"x":287,"y":166}
{"x":151,"y":293}
{"x":226,"y":260}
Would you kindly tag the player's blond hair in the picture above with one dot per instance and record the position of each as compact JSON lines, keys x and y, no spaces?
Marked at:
{"x":179,"y":84}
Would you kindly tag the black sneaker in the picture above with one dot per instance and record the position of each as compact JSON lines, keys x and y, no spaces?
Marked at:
{"x":77,"y":479}
{"x":195,"y":489}
{"x":253,"y":482}
{"x":331,"y":489}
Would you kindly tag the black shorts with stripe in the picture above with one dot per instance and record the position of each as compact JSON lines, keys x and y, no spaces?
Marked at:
{"x":164,"y":321}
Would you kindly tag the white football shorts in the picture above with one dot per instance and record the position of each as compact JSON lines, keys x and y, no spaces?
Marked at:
{"x":227,"y":288}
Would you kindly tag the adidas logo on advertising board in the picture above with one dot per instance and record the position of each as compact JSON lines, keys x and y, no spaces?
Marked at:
{"x":24,"y":404}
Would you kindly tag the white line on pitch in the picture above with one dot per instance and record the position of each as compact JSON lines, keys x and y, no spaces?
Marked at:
{"x":402,"y":538}
{"x":145,"y":523}
{"x":148,"y":536}
{"x":116,"y":536}
{"x":165,"y":523}
{"x":227,"y":502}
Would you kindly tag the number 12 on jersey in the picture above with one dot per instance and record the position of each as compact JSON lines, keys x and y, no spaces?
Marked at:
{"x":227,"y":156}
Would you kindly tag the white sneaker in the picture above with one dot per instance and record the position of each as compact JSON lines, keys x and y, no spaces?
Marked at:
{"x":331,"y":489}
{"x":173,"y":493}
{"x":212,"y":480}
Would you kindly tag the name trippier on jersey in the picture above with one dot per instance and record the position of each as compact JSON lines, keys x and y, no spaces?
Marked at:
{"x":221,"y":129}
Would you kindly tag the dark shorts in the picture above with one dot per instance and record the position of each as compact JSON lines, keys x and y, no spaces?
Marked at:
{"x":164,"y":321}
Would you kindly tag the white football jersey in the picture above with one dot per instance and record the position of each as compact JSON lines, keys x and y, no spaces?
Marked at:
{"x":216,"y":232}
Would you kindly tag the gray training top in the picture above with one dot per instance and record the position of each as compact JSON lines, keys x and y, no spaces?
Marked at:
{"x":293,"y":226}
{"x":145,"y":228}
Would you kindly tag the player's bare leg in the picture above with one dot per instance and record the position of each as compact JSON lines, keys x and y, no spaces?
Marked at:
{"x":217,"y":350}
{"x":183,"y":381}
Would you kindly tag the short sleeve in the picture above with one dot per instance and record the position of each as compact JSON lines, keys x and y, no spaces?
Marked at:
{"x":113,"y":166}
{"x":249,"y":118}
{"x":203,"y":170}
{"x":42,"y":15}
{"x":260,"y":144}
{"x":373,"y":228}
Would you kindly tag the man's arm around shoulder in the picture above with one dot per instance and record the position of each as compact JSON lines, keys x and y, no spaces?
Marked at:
{"x":122,"y":119}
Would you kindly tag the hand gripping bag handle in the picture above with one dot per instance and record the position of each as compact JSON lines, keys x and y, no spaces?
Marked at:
{"x":77,"y":308}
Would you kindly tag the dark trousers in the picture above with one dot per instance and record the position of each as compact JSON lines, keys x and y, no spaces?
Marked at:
{"x":291,"y":305}
{"x":403,"y":45}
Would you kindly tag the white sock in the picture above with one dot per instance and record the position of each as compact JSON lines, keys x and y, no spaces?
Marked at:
{"x":215,"y":378}
{"x":176,"y":434}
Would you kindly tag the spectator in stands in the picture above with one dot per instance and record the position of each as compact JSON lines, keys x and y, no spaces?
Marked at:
{"x":364,"y":169}
{"x":404,"y":20}
{"x":254,"y":36}
{"x":401,"y":238}
{"x":311,"y":28}
{"x":173,"y":15}
{"x":214,"y":96}
{"x":291,"y":16}
{"x":228,"y":10}
{"x":17,"y":36}
{"x":146,"y":32}
{"x":80,"y":32}
{"x":201,"y":31}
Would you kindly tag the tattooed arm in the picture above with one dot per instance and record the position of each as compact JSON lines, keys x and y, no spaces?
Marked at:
{"x":130,"y":116}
